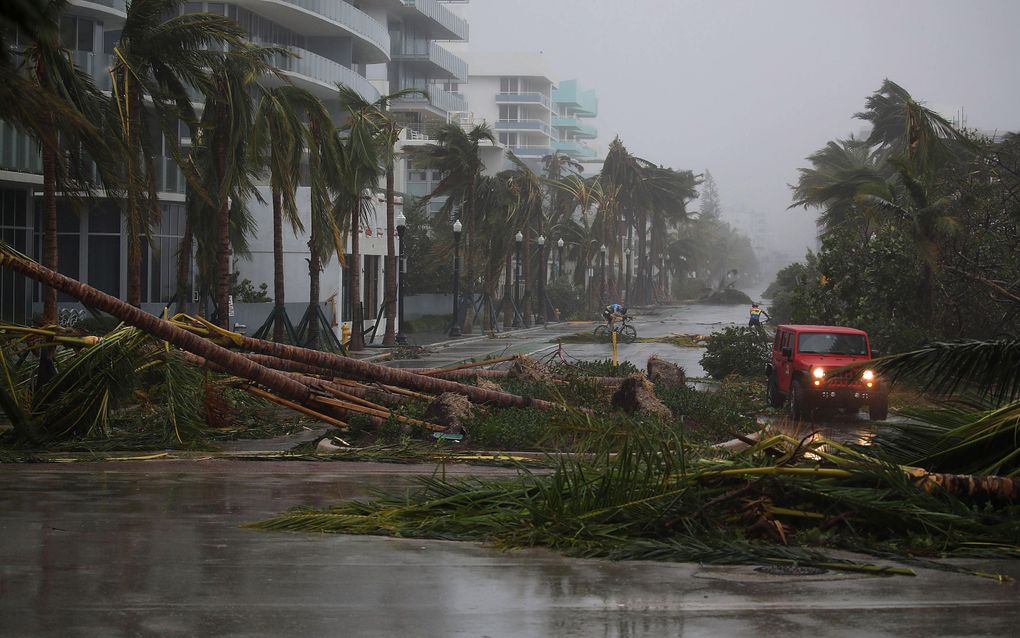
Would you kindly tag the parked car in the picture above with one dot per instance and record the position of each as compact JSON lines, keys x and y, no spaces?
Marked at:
{"x":808,"y":370}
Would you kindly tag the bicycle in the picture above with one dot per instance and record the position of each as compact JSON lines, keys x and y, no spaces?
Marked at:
{"x":625,"y":332}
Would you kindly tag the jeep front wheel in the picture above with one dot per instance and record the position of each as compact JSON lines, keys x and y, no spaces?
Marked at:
{"x":798,"y":410}
{"x":879,"y":409}
{"x":775,"y":398}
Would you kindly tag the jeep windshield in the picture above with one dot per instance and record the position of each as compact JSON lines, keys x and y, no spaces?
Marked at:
{"x":832,"y":343}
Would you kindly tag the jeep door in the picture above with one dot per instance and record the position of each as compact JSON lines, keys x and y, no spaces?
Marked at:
{"x":782,"y":366}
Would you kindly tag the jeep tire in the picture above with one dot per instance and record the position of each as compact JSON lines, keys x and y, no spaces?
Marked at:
{"x":798,"y":411}
{"x":879,"y":409}
{"x":775,"y":398}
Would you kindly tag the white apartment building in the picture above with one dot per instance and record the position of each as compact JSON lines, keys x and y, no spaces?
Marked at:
{"x":374,"y":46}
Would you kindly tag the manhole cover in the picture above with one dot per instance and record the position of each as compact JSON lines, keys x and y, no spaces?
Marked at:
{"x":790,"y":570}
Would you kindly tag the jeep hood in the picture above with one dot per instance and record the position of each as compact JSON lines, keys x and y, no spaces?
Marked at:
{"x":829,"y":361}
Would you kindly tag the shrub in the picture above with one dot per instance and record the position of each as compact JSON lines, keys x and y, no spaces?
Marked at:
{"x":736,"y":350}
{"x":567,"y":297}
{"x":509,"y":429}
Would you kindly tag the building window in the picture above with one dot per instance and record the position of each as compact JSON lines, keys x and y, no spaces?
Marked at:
{"x":76,"y":33}
{"x":509,"y":85}
{"x":14,"y":288}
{"x":104,"y":249}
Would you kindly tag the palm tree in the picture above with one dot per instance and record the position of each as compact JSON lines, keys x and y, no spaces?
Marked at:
{"x":457,"y":155}
{"x":158,"y":58}
{"x":375,"y":116}
{"x":624,"y":176}
{"x":64,"y":167}
{"x":277,"y":142}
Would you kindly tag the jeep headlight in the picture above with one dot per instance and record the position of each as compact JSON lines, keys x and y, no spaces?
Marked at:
{"x":818,"y":373}
{"x":868,"y":376}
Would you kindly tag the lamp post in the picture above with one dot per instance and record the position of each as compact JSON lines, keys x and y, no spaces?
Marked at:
{"x":401,"y":273}
{"x":588,"y":287}
{"x":602,"y":284}
{"x":559,"y":267}
{"x":626,"y":291}
{"x":519,"y":237}
{"x":541,"y":279}
{"x":665,"y":279}
{"x":455,"y":329}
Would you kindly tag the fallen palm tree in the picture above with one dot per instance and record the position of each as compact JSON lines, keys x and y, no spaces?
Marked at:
{"x":656,"y":497}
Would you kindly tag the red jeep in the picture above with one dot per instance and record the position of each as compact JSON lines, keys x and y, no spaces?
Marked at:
{"x":805,"y":369}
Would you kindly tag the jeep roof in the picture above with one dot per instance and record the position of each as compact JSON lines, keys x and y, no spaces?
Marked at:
{"x":810,"y":328}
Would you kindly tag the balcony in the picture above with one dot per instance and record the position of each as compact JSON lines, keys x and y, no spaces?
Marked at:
{"x":110,"y":11}
{"x":522,"y":125}
{"x":18,"y":152}
{"x":448,"y":25}
{"x":575,"y":149}
{"x":531,"y":151}
{"x":583,"y":103}
{"x":439,"y":63}
{"x":523,"y":98}
{"x":440,"y":102}
{"x":331,"y":18}
{"x":575,"y":127}
{"x":320,"y":75}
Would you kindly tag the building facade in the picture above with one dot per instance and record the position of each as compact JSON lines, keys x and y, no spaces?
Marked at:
{"x":373,"y":46}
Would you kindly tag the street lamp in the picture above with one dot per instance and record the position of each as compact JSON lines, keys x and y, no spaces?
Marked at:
{"x":602,"y":284}
{"x":401,"y":273}
{"x":455,"y":329}
{"x":541,"y":279}
{"x":519,"y":237}
{"x":559,"y":268}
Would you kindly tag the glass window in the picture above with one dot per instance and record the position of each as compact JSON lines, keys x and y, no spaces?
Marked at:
{"x":86,"y":37}
{"x":68,"y":31}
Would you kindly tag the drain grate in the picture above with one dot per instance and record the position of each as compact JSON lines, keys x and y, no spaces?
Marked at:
{"x":790,"y":570}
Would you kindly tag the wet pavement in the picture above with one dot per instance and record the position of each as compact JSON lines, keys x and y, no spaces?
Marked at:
{"x":157,"y":549}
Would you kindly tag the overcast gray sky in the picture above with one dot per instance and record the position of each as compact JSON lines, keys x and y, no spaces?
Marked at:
{"x":748,"y":89}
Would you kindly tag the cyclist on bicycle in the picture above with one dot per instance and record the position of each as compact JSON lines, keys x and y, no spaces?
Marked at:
{"x":614,"y":312}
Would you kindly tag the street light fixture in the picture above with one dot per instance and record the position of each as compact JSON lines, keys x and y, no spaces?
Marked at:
{"x":626,"y":290}
{"x":401,"y":273}
{"x":455,"y":329}
{"x":519,"y":237}
{"x":541,"y":279}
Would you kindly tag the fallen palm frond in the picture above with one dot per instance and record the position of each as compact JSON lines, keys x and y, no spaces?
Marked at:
{"x":650,"y":495}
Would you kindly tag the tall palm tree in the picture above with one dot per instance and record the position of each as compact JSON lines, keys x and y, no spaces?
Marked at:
{"x":624,"y":175}
{"x":376,"y":116}
{"x":157,"y":58}
{"x":64,"y":166}
{"x":457,"y":155}
{"x":277,"y":143}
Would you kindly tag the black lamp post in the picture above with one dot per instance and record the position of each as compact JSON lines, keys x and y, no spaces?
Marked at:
{"x":455,"y":329}
{"x":402,"y":272}
{"x":541,"y":279}
{"x":602,"y":284}
{"x":559,"y":268}
{"x":519,"y":237}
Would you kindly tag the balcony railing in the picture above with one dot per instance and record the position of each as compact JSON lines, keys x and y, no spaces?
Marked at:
{"x":522,"y":125}
{"x":523,"y":98}
{"x":435,"y":55}
{"x":575,"y":148}
{"x":350,"y":17}
{"x":531,"y":151}
{"x":324,"y":71}
{"x":442,"y":100}
{"x":18,"y":152}
{"x":438,"y":13}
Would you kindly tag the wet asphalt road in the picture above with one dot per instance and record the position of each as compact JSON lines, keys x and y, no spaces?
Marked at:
{"x":157,"y":548}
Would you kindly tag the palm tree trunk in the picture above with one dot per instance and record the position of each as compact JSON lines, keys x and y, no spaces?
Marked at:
{"x":232,"y":362}
{"x":526,"y":266}
{"x":314,"y":268}
{"x":184,"y":268}
{"x":278,"y":294}
{"x":644,"y":279}
{"x":222,"y":235}
{"x":389,"y":338}
{"x":134,"y":213}
{"x":358,"y":323}
{"x":50,"y":255}
{"x":508,"y":310}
